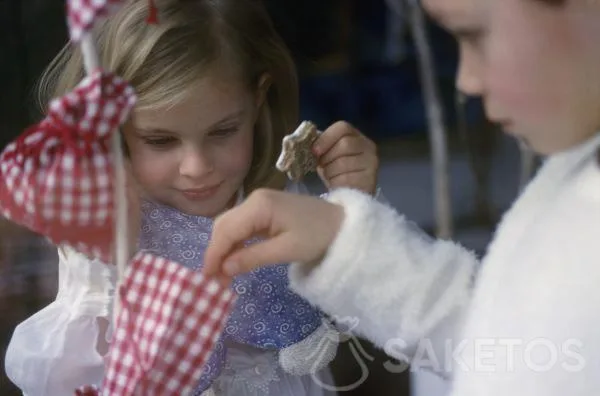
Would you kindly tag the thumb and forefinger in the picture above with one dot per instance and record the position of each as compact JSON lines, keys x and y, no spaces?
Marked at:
{"x":226,"y":253}
{"x":259,"y":216}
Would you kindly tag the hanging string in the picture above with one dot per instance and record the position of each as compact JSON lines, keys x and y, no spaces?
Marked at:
{"x":152,"y":13}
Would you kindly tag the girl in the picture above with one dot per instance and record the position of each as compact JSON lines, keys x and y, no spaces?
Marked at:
{"x":216,"y":94}
{"x":524,"y":320}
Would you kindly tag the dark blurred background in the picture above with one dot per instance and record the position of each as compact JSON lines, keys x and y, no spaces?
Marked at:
{"x":357,"y":62}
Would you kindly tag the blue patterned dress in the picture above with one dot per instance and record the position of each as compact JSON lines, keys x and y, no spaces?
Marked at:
{"x":267,"y":315}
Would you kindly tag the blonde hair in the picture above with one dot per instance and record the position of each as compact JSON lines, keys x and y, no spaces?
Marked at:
{"x":163,"y":62}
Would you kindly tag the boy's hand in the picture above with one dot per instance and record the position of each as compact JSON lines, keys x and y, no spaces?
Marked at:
{"x":295,"y":228}
{"x":347,"y":158}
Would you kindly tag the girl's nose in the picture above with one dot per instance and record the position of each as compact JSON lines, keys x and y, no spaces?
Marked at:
{"x":195,"y":163}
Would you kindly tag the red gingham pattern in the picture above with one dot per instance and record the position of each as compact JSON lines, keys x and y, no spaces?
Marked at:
{"x":96,"y":107}
{"x":87,"y":390}
{"x":170,"y":320}
{"x":56,"y":178}
{"x":82,"y":14}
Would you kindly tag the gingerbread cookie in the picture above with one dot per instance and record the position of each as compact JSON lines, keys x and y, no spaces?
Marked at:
{"x":297,"y":158}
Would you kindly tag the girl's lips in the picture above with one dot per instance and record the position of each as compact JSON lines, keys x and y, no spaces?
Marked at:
{"x":200,"y":193}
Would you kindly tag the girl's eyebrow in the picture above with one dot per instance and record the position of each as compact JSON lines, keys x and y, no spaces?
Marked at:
{"x":154,"y":131}
{"x":162,"y":131}
{"x":228,"y":118}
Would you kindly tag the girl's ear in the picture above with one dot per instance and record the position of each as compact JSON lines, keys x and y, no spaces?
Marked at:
{"x":264,"y":83}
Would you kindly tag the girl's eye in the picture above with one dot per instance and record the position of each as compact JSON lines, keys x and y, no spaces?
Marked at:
{"x":163,"y":141}
{"x":224,"y":132}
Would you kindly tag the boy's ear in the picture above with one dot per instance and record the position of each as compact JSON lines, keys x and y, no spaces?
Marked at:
{"x":264,"y":83}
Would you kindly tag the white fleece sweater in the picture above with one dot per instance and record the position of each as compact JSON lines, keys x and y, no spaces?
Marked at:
{"x":523,"y":322}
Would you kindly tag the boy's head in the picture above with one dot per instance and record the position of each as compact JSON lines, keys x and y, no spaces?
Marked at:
{"x":534,"y":62}
{"x":217,"y":92}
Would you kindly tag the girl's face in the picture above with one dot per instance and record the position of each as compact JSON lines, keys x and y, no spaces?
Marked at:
{"x":195,"y":156}
{"x":535,"y":66}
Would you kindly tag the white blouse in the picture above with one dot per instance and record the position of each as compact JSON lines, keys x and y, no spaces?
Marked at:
{"x":61,"y":347}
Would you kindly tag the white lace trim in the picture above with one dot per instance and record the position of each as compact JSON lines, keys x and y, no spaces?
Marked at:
{"x":209,"y":392}
{"x":253,"y":371}
{"x":312,"y":354}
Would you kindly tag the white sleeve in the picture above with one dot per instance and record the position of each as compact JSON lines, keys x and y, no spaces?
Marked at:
{"x":386,"y":275}
{"x":60,"y":347}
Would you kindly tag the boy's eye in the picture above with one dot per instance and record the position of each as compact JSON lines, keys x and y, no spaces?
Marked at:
{"x":469,"y":35}
{"x":162,"y":141}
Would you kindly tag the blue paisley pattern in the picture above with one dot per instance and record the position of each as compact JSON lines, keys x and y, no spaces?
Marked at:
{"x":267,"y":314}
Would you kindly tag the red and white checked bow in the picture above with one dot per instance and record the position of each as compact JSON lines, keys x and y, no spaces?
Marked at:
{"x":83,"y":14}
{"x":170,"y":319}
{"x":57,"y":176}
{"x":59,"y":181}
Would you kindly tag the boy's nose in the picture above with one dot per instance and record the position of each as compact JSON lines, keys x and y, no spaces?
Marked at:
{"x":468,"y":79}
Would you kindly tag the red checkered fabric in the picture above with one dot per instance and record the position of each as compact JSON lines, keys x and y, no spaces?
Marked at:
{"x":87,"y":390}
{"x":56,"y":178}
{"x":170,"y":320}
{"x":82,"y":14}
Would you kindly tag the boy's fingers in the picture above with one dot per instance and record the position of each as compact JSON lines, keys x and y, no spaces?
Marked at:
{"x":224,"y":280}
{"x":271,"y":251}
{"x":230,"y":231}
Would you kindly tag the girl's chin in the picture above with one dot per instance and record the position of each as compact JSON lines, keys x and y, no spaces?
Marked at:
{"x":206,"y":209}
{"x":203,"y":211}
